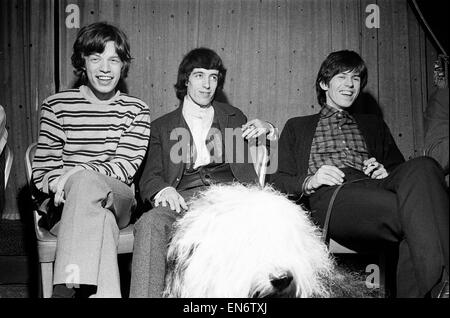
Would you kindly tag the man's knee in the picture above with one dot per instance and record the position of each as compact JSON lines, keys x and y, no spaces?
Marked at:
{"x":157,"y":219}
{"x":143,"y":223}
{"x":84,"y":180}
{"x":425,"y":165}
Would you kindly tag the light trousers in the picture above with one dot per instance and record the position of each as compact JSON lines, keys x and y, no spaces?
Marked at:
{"x":96,"y":207}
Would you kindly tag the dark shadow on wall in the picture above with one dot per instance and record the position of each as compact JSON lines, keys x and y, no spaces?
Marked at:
{"x":221,"y":97}
{"x":367,"y":104}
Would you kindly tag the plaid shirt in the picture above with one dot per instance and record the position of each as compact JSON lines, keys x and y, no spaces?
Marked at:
{"x":337,"y":142}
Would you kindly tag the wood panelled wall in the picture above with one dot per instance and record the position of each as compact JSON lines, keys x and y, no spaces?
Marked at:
{"x":271,"y":48}
{"x":26,"y":78}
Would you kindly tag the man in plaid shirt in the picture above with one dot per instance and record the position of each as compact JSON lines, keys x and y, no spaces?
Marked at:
{"x":359,"y":187}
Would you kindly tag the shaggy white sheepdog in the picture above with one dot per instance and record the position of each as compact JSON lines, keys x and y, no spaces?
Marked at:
{"x":237,"y":241}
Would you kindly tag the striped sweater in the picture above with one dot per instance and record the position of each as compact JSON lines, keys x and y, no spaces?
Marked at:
{"x":110,"y":137}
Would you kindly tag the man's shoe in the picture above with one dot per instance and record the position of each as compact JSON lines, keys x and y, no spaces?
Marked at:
{"x":61,"y":291}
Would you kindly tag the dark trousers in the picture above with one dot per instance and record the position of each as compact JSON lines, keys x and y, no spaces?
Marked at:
{"x":408,"y":208}
{"x":152,"y":233}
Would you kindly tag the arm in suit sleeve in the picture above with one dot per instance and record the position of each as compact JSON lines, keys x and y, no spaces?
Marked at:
{"x":288,"y":179}
{"x":436,"y":128}
{"x":152,"y":178}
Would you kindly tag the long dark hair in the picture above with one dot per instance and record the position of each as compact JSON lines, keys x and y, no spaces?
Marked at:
{"x":92,"y":39}
{"x":198,"y":58}
{"x":339,"y":62}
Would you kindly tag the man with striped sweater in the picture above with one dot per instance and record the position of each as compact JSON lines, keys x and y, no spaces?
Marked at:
{"x":92,"y":141}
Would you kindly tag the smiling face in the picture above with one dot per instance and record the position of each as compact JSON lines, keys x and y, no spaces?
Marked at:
{"x":201,"y":86}
{"x":103,"y":71}
{"x":342,"y":90}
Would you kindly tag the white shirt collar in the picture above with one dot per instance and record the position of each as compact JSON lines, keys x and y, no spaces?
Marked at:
{"x":192,"y":110}
{"x":199,"y":120}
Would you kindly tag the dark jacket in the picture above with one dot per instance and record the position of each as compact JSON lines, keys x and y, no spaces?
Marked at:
{"x":159,"y":170}
{"x":296,"y":141}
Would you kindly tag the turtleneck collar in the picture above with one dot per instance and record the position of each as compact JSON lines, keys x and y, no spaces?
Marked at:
{"x":193,"y":110}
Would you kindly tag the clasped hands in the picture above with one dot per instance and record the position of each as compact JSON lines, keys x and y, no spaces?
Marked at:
{"x":331,"y":175}
{"x":56,"y":186}
{"x":255,"y":128}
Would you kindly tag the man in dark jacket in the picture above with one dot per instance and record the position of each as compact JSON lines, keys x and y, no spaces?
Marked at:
{"x":200,"y":143}
{"x":437,"y":128}
{"x":360,"y":188}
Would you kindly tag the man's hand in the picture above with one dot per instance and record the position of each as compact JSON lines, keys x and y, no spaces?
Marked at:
{"x":374,"y":169}
{"x":173,"y":198}
{"x":57,"y":186}
{"x":255,"y":128}
{"x":326,"y":175}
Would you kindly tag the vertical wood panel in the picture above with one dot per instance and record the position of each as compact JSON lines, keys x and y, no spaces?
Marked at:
{"x":65,"y":40}
{"x":369,"y":52}
{"x":144,"y":48}
{"x":269,"y":55}
{"x":168,"y":30}
{"x":310,"y":40}
{"x":270,"y":111}
{"x":245,"y":69}
{"x":418,"y":79}
{"x":394,"y":75}
{"x":12,"y":90}
{"x":226,"y":42}
{"x":26,"y":76}
{"x":345,"y":25}
{"x":41,"y":67}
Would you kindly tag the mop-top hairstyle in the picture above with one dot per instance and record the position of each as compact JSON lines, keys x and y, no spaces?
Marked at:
{"x":92,"y":39}
{"x":238,"y":241}
{"x":339,"y":62}
{"x":198,"y":58}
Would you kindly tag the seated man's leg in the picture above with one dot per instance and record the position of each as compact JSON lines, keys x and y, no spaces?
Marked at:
{"x":364,"y":218}
{"x":359,"y":215}
{"x":151,"y":237}
{"x":96,"y":206}
{"x":409,"y":207}
{"x":423,"y":200}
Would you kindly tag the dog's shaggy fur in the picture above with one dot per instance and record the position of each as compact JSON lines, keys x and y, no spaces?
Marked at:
{"x":238,"y":241}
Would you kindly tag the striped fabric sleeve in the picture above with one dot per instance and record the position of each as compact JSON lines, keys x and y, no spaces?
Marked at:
{"x":48,"y":162}
{"x":130,"y":150}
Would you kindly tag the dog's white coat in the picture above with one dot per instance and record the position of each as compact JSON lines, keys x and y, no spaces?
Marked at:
{"x":235,"y":238}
